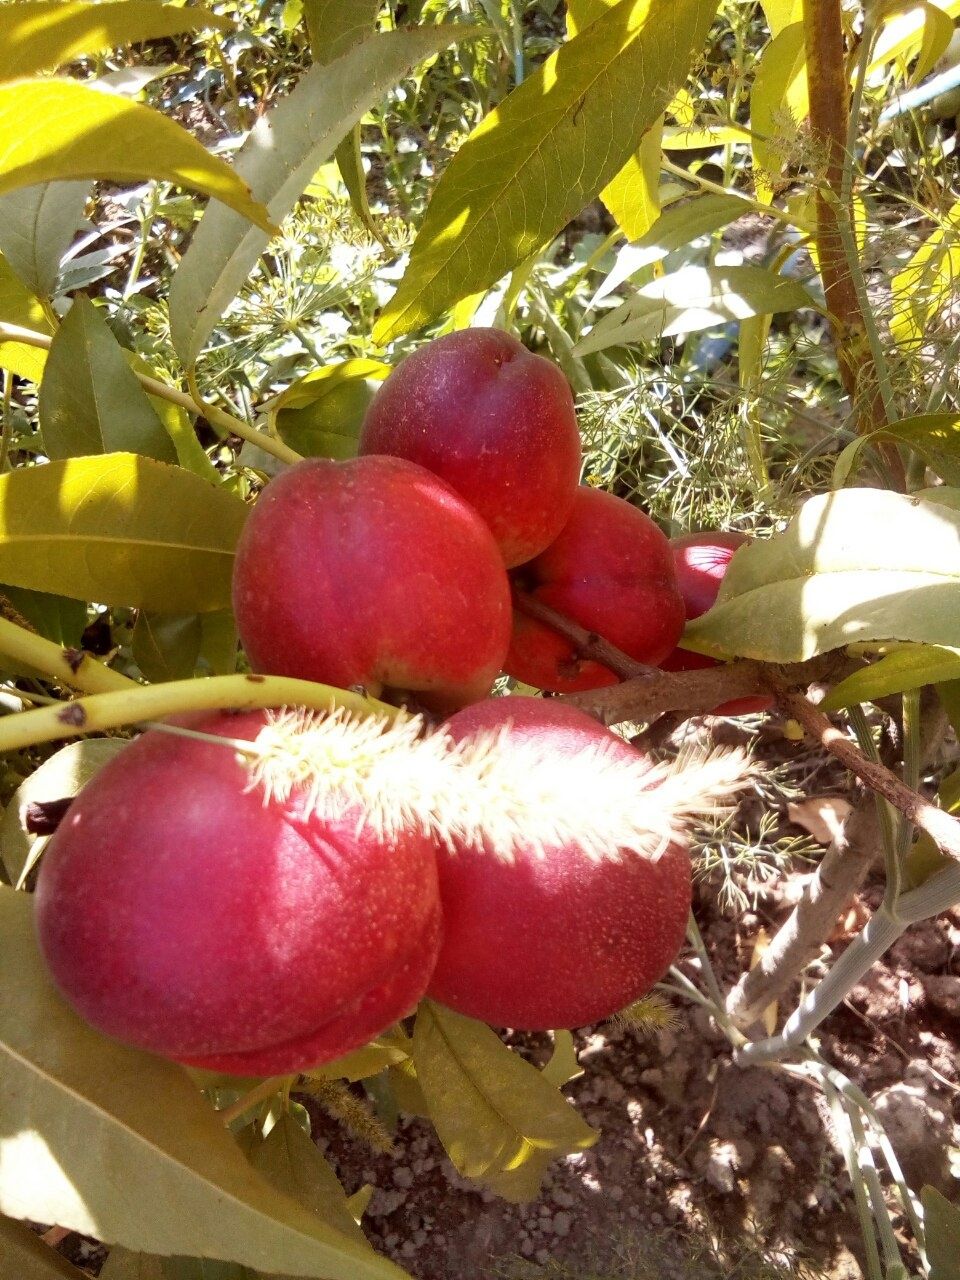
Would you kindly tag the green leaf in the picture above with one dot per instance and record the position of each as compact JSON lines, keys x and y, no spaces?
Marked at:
{"x":321,"y":414}
{"x":90,"y":402}
{"x":926,"y":283}
{"x":61,"y":776}
{"x":691,"y":299}
{"x":121,"y":1146}
{"x":941,"y":1222}
{"x":499,"y":1119}
{"x":859,"y":564}
{"x":934,"y":436}
{"x":123,"y":1265}
{"x":121,"y":530}
{"x":166,"y":646}
{"x":178,"y":425}
{"x":550,"y":147}
{"x":373,"y":1058}
{"x":54,"y":617}
{"x":337,"y":26}
{"x":218,"y":642}
{"x":779,"y":103}
{"x":26,"y":1257}
{"x":564,"y":1065}
{"x":677,"y":226}
{"x":37,"y":225}
{"x":279,"y":159}
{"x":21,"y":307}
{"x":908,"y":667}
{"x":38,"y":35}
{"x":82,"y":132}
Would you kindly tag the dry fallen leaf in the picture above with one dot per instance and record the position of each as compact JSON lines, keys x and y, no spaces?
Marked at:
{"x":822,"y":817}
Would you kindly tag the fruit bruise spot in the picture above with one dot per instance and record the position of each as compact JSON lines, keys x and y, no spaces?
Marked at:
{"x":73,"y":657}
{"x":72,"y":714}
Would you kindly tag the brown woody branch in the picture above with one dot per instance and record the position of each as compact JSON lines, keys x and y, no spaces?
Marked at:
{"x":587,"y":644}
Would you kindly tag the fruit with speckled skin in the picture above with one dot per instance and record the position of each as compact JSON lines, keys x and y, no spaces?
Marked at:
{"x":496,"y":422}
{"x":372,"y":572}
{"x":179,"y":913}
{"x":558,"y":940}
{"x":702,"y":560}
{"x":610,"y":570}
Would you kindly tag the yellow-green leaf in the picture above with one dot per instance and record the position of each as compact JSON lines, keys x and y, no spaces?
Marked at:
{"x":38,"y":35}
{"x":926,"y":283}
{"x":120,"y":529}
{"x":373,"y":1058}
{"x":81,"y":132}
{"x":855,"y":565}
{"x":90,"y":401}
{"x":935,"y":437}
{"x":550,"y":146}
{"x":942,"y":1222}
{"x":779,"y":104}
{"x":909,"y":666}
{"x":21,"y":307}
{"x":494,"y":1112}
{"x":712,"y":135}
{"x":910,"y":28}
{"x":781,"y":13}
{"x":25,"y":1257}
{"x":120,"y":1145}
{"x":633,"y":197}
{"x":320,"y":415}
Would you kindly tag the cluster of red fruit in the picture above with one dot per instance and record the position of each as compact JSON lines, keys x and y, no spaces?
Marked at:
{"x":187,"y":912}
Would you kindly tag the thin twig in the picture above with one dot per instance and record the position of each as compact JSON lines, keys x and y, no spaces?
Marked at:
{"x":588,"y":644}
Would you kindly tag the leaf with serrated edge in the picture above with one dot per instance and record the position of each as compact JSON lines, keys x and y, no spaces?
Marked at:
{"x":860,"y":564}
{"x":90,"y":401}
{"x":549,"y":147}
{"x":121,"y":1146}
{"x":691,"y":299}
{"x":278,"y":159}
{"x":493,"y":1112}
{"x":120,"y":529}
{"x":38,"y":35}
{"x":37,"y":225}
{"x":51,"y":129}
{"x":24,"y":1256}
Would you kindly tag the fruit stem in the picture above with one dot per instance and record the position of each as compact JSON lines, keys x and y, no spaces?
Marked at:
{"x":588,"y":644}
{"x":196,"y":408}
{"x":138,"y":703}
{"x":71,"y":667}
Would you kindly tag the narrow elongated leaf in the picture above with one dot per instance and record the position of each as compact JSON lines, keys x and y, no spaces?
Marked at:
{"x":23,"y":1255}
{"x":712,"y":135}
{"x":21,"y":307}
{"x":80,"y":132}
{"x":909,"y":28}
{"x":337,"y":26}
{"x":498,"y":1117}
{"x":37,"y":225}
{"x":677,"y":226}
{"x":926,"y":282}
{"x":909,"y":667}
{"x":941,"y":1221}
{"x":779,"y":103}
{"x":695,"y":298}
{"x":38,"y":35}
{"x":934,"y":436}
{"x":781,"y":13}
{"x":120,"y":529}
{"x":90,"y":401}
{"x":279,"y":158}
{"x":550,"y":146}
{"x":859,"y":564}
{"x":120,"y":1145}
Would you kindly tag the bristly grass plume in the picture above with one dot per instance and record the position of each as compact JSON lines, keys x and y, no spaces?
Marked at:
{"x":397,"y":777}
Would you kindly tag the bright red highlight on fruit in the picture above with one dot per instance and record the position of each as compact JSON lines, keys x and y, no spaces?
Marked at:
{"x":180,"y":914}
{"x":702,"y":560}
{"x":372,"y":572}
{"x":611,"y":570}
{"x":493,"y":420}
{"x":559,"y":940}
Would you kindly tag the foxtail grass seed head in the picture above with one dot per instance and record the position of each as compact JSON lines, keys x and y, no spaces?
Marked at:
{"x":474,"y":793}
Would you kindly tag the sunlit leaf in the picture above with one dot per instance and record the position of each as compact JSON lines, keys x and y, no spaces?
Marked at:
{"x":549,"y":147}
{"x":120,"y":1145}
{"x":910,"y":28}
{"x":320,"y":415}
{"x":855,"y":565}
{"x":781,"y":13}
{"x":498,"y":1118}
{"x":278,"y":159}
{"x":633,"y":196}
{"x":694,"y":298}
{"x":120,"y":529}
{"x":935,"y":437}
{"x":38,"y":35}
{"x":713,"y":135}
{"x":908,"y":667}
{"x":82,"y":132}
{"x":926,"y":283}
{"x":90,"y":401}
{"x":779,"y":104}
{"x":21,"y":307}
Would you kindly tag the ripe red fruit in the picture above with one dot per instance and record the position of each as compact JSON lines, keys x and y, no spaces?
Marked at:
{"x":702,"y":560}
{"x":562,"y":939}
{"x":180,"y":913}
{"x":496,"y":422}
{"x":611,"y":570}
{"x":372,"y":572}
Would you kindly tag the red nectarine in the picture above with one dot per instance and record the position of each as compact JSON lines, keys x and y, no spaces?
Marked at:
{"x":186,"y":913}
{"x":492,"y":419}
{"x":610,"y":570}
{"x":372,"y":572}
{"x":555,"y":937}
